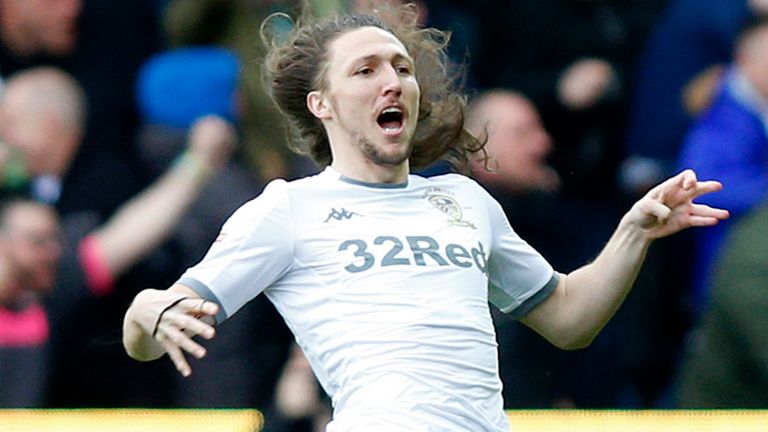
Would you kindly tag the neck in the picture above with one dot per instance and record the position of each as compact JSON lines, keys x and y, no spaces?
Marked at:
{"x":10,"y":293}
{"x":370,"y":172}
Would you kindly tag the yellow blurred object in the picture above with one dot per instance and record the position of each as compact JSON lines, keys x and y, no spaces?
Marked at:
{"x":639,"y":420}
{"x":206,"y":420}
{"x":130,"y":420}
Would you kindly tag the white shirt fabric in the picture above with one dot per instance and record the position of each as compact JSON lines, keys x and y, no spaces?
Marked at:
{"x":386,"y":289}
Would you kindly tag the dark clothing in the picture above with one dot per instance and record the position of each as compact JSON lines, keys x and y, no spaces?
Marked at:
{"x":727,"y":364}
{"x":29,"y":334}
{"x":252,"y":346}
{"x":88,"y":361}
{"x":115,"y":38}
{"x":24,"y":354}
{"x":527,"y":45}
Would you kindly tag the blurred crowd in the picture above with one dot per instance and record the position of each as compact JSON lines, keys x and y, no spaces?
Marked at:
{"x":130,"y":130}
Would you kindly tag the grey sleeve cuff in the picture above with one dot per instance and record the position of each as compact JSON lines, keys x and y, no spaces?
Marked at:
{"x":205,"y":293}
{"x":537,"y":298}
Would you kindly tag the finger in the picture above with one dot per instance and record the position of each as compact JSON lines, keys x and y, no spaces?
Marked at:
{"x":192,"y":325}
{"x":199,"y":306}
{"x":176,"y":356}
{"x":183,"y":341}
{"x":706,"y":187}
{"x":668,"y":186}
{"x":655,"y":209}
{"x":702,"y":221}
{"x":707,"y":211}
{"x":687,"y":179}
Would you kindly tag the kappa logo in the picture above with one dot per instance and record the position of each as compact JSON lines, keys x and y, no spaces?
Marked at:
{"x":340,"y":214}
{"x":448,"y":205}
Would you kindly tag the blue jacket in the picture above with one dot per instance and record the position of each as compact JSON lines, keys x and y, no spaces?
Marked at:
{"x":689,"y":36}
{"x":728,"y":143}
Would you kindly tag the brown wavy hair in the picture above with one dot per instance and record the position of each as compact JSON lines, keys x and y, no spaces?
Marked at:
{"x":296,"y":65}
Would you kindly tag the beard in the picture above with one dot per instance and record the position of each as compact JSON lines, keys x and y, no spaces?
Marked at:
{"x":377,"y":155}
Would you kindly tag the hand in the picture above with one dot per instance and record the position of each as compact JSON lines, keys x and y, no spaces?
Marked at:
{"x":758,"y":6}
{"x":171,"y":320}
{"x":212,"y":139}
{"x":669,"y":207}
{"x":584,"y":82}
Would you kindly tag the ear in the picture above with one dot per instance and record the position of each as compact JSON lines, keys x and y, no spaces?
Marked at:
{"x":318,"y":106}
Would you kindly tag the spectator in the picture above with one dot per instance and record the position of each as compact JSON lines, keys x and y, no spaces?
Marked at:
{"x":729,"y":142}
{"x":42,"y":106}
{"x":29,"y":255}
{"x":234,"y":24}
{"x":516,"y":142}
{"x":727,"y":364}
{"x":95,"y":253}
{"x":174,"y":89}
{"x":687,"y":46}
{"x":689,"y":37}
{"x":102,"y":45}
{"x":525,"y":185}
{"x":573,"y":60}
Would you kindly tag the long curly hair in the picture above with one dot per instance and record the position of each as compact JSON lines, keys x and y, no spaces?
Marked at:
{"x":296,"y":65}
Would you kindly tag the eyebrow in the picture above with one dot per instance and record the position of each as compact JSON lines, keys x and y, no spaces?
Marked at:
{"x":397,"y":56}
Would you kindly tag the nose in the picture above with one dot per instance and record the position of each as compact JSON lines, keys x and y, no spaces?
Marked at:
{"x":391,"y":82}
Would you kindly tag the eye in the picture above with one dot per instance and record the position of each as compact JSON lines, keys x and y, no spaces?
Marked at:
{"x":403,"y":69}
{"x":365,"y":70}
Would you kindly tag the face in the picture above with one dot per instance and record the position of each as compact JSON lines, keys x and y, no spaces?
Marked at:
{"x":753,"y":59}
{"x":27,"y":131}
{"x":37,"y":127}
{"x":52,"y":23}
{"x":371,"y":101}
{"x":30,"y":239}
{"x":520,"y":145}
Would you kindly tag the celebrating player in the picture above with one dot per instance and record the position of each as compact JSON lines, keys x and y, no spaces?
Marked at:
{"x":384,"y":277}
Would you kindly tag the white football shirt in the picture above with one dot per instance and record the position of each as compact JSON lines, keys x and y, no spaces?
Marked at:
{"x":386,"y":288}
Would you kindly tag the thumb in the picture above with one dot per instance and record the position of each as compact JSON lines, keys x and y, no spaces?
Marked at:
{"x":651,"y":212}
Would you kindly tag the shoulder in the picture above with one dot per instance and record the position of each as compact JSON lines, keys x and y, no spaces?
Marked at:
{"x":452,"y":179}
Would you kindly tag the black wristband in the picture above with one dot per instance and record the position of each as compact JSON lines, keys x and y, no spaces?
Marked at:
{"x":167,"y":308}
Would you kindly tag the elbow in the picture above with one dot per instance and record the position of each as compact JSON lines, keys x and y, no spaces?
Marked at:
{"x":573,"y":341}
{"x":576,"y":344}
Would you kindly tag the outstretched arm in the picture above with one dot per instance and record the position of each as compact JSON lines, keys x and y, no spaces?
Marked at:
{"x":587,"y":298}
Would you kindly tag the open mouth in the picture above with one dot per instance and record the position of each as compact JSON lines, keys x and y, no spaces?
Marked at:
{"x":391,"y":120}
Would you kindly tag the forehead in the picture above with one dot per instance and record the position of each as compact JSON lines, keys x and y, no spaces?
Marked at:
{"x":29,"y":215}
{"x":364,"y":42}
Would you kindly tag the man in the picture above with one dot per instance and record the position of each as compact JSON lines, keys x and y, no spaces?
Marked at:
{"x":729,"y":142}
{"x":102,"y":45}
{"x":384,"y":276}
{"x":31,"y":28}
{"x":659,"y":114}
{"x":725,"y":365}
{"x":516,"y":141}
{"x":29,"y":256}
{"x":42,"y":106}
{"x":40,"y":114}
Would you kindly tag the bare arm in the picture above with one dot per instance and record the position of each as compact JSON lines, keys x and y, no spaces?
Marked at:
{"x":145,"y":221}
{"x":587,"y":298}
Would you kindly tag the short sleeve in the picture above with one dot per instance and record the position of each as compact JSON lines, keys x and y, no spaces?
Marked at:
{"x":520,"y":278}
{"x":253,"y":250}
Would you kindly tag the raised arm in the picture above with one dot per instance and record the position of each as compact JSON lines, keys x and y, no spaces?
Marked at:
{"x":587,"y":298}
{"x":147,"y":219}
